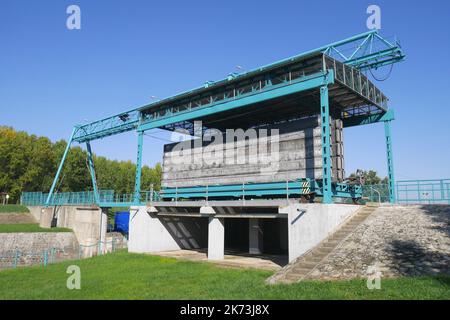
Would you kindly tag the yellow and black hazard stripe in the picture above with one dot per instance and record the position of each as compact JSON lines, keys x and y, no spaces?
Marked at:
{"x":305,"y":187}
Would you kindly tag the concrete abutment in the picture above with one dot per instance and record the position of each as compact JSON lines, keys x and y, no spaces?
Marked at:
{"x":292,"y":229}
{"x":88,"y":223}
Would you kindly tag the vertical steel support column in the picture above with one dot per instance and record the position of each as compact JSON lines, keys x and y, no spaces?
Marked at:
{"x":390,"y":161}
{"x":61,"y":164}
{"x":137,"y":186}
{"x":326,"y":145}
{"x":92,"y":171}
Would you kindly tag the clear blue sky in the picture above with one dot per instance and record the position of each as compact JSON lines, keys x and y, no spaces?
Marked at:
{"x":127,"y":51}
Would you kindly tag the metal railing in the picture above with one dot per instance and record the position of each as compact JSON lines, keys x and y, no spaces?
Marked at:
{"x":376,"y":193}
{"x":435,"y":191}
{"x":85,"y":198}
{"x":357,"y":81}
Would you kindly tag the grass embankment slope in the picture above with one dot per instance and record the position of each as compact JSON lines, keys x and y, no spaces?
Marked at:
{"x":131,"y":276}
{"x":13,"y":208}
{"x":16,"y":218}
{"x":28,"y":227}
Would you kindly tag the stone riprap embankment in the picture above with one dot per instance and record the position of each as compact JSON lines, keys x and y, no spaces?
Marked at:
{"x":394,"y":240}
{"x":24,"y":249}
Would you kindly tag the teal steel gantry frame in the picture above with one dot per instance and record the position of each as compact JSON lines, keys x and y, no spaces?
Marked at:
{"x":390,"y":160}
{"x":326,"y":145}
{"x":137,"y":185}
{"x":385,"y":118}
{"x":61,"y":164}
{"x":367,"y":51}
{"x":92,"y":171}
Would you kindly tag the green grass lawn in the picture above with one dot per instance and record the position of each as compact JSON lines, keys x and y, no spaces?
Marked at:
{"x":28,"y":227}
{"x":13,"y":208}
{"x":132,"y":276}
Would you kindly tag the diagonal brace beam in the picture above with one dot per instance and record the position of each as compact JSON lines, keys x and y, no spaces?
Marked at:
{"x":61,"y":165}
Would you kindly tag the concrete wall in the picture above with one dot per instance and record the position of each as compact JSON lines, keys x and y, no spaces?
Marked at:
{"x":216,"y":238}
{"x":85,"y":221}
{"x":37,"y":241}
{"x":26,"y":249}
{"x":309,"y":224}
{"x":299,"y":156}
{"x":149,"y":233}
{"x":35,"y":211}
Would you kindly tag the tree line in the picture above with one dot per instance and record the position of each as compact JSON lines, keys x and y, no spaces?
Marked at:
{"x":367,"y":177}
{"x":29,"y":163}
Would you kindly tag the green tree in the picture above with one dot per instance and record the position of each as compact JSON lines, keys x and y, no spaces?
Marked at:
{"x":29,"y":163}
{"x":369,"y":177}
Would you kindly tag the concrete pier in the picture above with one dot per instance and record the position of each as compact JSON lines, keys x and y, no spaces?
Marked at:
{"x":103,"y":228}
{"x":255,"y":236}
{"x":88,"y":223}
{"x":147,"y":233}
{"x":291,"y":227}
{"x":46,"y":217}
{"x":216,"y":238}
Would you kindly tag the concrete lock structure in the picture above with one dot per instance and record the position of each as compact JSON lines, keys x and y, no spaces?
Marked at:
{"x":256,"y":227}
{"x":311,"y":98}
{"x":293,"y":152}
{"x":88,"y":223}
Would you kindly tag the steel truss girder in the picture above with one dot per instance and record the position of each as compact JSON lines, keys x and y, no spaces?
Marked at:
{"x":305,"y":83}
{"x":368,"y":119}
{"x":363,"y":56}
{"x":126,"y":121}
{"x":359,"y":59}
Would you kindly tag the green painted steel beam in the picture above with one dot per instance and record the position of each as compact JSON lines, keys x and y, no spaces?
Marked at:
{"x":390,"y":161}
{"x":386,"y":53}
{"x":60,"y":167}
{"x":132,"y":119}
{"x":106,"y":132}
{"x":368,"y":119}
{"x":286,"y":188}
{"x":377,"y":59}
{"x":92,"y":172}
{"x":307,"y":83}
{"x":326,"y":145}
{"x":137,"y":185}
